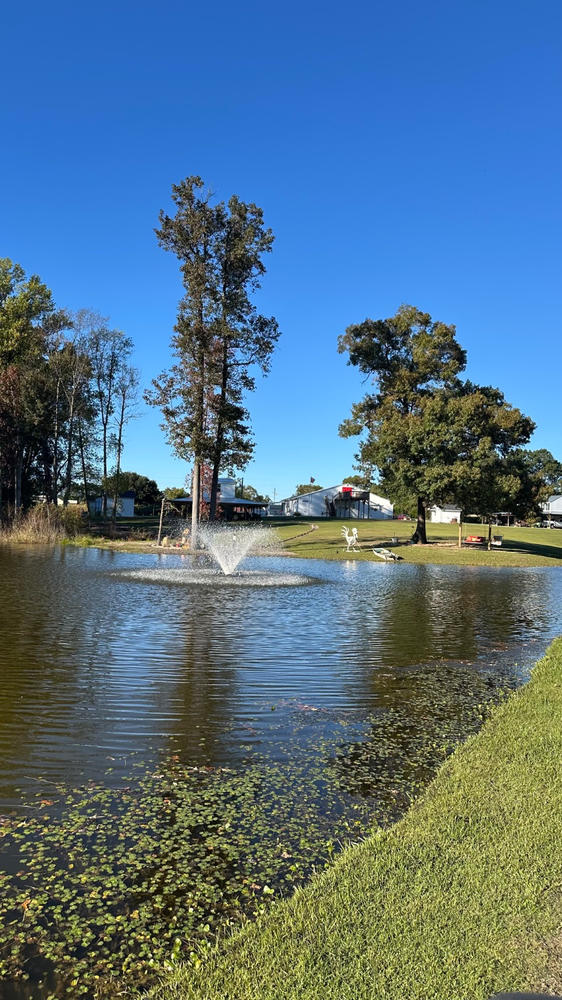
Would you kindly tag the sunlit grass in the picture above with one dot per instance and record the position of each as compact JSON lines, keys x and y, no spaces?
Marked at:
{"x":521,"y":546}
{"x":459,"y":900}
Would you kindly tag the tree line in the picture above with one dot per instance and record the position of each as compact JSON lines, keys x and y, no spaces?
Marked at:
{"x":68,"y":388}
{"x":67,"y":392}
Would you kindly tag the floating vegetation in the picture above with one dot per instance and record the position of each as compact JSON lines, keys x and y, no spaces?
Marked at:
{"x":122,"y":882}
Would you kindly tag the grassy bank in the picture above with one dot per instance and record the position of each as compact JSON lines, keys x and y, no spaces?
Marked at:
{"x":461,"y":898}
{"x":521,"y":546}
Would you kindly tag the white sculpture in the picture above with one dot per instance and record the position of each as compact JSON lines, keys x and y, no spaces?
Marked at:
{"x":351,"y":539}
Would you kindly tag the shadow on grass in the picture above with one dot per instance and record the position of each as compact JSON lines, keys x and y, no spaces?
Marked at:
{"x":533,"y":549}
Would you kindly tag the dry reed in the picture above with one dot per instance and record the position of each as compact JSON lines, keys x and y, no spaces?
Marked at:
{"x":44,"y":524}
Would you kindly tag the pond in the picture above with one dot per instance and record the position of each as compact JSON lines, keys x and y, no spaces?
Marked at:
{"x":244,"y":731}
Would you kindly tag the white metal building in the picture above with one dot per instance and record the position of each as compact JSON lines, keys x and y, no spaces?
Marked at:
{"x":552,"y":509}
{"x":343,"y":501}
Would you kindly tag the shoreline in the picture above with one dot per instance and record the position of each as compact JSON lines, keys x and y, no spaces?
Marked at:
{"x":521,"y":547}
{"x":459,"y":899}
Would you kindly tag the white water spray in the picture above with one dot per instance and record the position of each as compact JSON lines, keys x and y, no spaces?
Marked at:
{"x":229,"y":545}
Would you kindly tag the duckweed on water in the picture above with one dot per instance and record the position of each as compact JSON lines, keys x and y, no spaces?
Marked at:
{"x":122,"y":882}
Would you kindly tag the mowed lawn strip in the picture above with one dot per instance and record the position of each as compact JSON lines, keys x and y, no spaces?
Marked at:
{"x":520,"y":546}
{"x":454,"y":902}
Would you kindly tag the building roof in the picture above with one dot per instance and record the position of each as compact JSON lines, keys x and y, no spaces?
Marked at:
{"x":445,"y":506}
{"x":230,"y":502}
{"x":357,"y":493}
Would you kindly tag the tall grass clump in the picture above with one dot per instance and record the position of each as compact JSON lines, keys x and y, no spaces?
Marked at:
{"x":44,"y":524}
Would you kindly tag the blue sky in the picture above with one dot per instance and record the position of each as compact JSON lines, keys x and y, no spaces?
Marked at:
{"x":401,"y":153}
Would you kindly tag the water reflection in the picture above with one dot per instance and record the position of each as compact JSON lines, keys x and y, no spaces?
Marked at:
{"x":98,"y":665}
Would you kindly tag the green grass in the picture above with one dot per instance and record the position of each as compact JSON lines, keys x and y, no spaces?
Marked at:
{"x":521,"y":546}
{"x":458,"y":900}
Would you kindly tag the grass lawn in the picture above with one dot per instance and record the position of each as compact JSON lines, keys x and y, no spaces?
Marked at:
{"x":521,"y":546}
{"x":460,"y":899}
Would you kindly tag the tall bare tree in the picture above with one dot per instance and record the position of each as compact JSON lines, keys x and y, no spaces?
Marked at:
{"x":109,"y":351}
{"x":125,"y":408}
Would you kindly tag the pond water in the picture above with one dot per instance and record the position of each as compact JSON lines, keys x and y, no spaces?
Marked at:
{"x":178,"y":748}
{"x":110,"y":655}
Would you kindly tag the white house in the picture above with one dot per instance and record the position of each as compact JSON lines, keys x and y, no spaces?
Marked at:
{"x":343,"y":501}
{"x":447,"y":513}
{"x":553,"y":508}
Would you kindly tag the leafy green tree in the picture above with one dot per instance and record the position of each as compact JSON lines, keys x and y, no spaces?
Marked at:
{"x":362,"y":483}
{"x":303,"y":488}
{"x":244,"y":339}
{"x":28,"y":319}
{"x":146,"y":490}
{"x":220,"y":339}
{"x":482,"y":454}
{"x":430,"y":435}
{"x":173,"y":492}
{"x":247,"y":492}
{"x":539,"y":476}
{"x":546,"y":472}
{"x":409,"y":357}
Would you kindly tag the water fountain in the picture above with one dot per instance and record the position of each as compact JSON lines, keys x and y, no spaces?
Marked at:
{"x":227,"y":546}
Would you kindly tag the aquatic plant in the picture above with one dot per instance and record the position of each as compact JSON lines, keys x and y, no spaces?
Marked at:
{"x":124,"y":879}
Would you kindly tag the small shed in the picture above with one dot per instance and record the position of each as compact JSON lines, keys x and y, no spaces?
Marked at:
{"x":447,"y":513}
{"x":125,"y":505}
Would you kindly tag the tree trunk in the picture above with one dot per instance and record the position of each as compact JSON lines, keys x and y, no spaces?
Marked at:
{"x":47,"y":463}
{"x":69,"y":456}
{"x":104,"y":502}
{"x":460,"y":533}
{"x":118,"y":460}
{"x":55,"y":489}
{"x":219,"y":439}
{"x":84,"y":474}
{"x":195,"y":504}
{"x":420,"y":527}
{"x":18,"y":477}
{"x":489,"y":536}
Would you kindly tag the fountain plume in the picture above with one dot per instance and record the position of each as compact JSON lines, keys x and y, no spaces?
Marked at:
{"x":229,"y":545}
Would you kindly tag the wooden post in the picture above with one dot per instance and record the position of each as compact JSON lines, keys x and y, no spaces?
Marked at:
{"x":161,"y":519}
{"x":460,"y":533}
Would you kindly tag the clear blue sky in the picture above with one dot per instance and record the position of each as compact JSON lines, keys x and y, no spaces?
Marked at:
{"x":403,"y":152}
